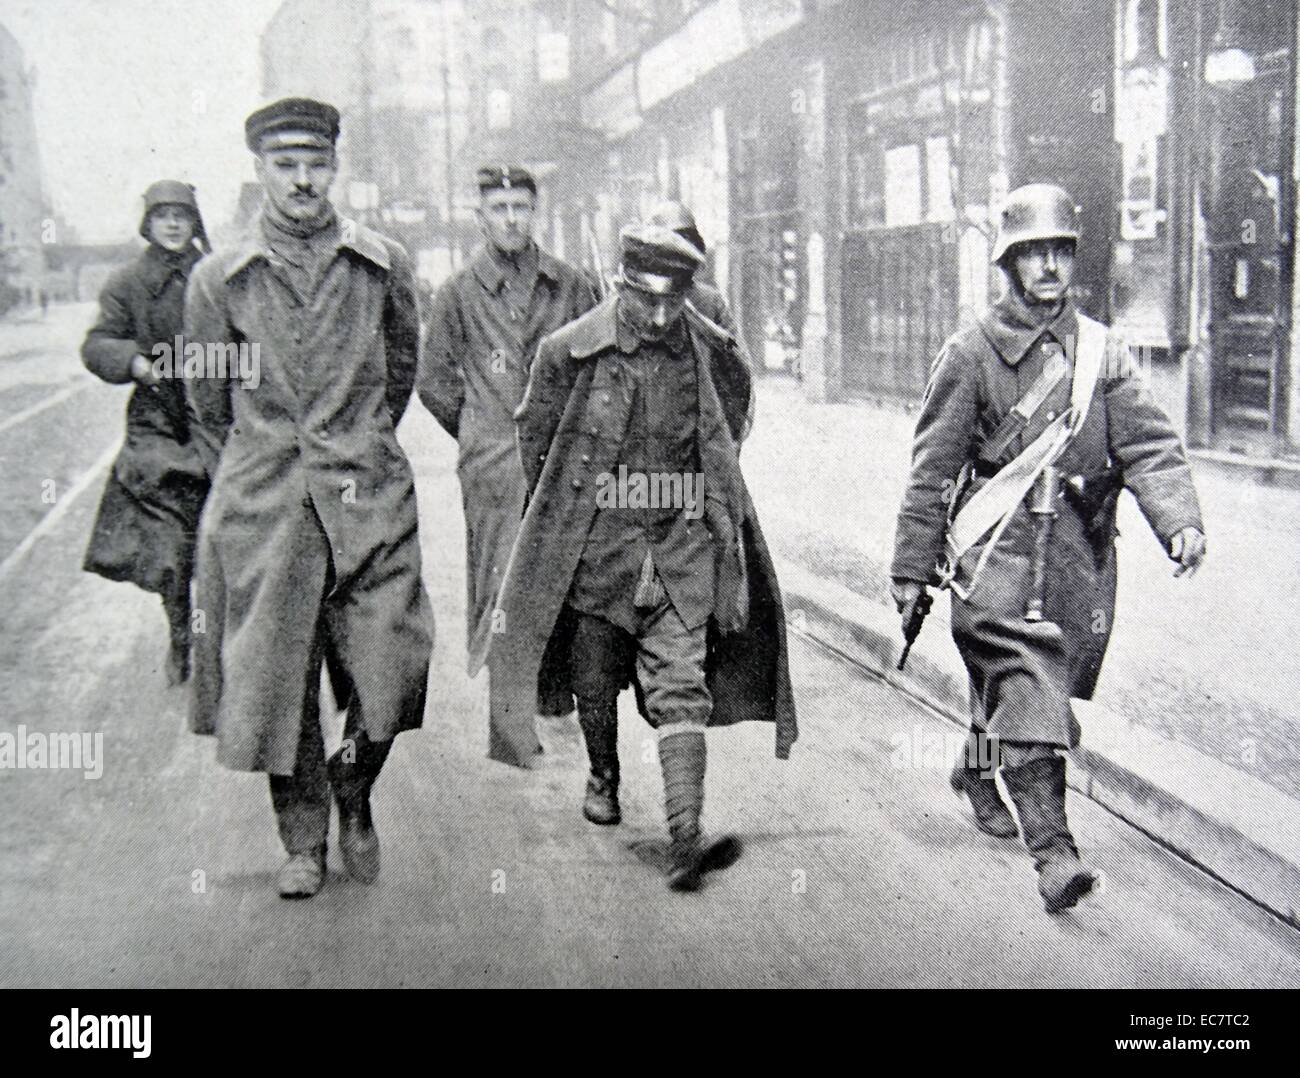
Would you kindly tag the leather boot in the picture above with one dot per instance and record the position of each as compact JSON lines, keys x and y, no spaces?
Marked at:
{"x":600,"y":805}
{"x":358,"y":840}
{"x":1038,"y":790}
{"x":690,"y":855}
{"x":302,"y":875}
{"x":976,"y":781}
{"x":600,"y":734}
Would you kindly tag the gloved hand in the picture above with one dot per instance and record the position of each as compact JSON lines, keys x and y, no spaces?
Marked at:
{"x":1187,"y":548}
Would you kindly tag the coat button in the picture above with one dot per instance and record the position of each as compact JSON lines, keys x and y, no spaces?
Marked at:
{"x":605,"y":397}
{"x":595,"y":430}
{"x":586,"y":458}
{"x":577,"y":484}
{"x":1050,"y":415}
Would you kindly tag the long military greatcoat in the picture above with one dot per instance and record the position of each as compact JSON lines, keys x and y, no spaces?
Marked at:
{"x":571,"y":425}
{"x":144,"y":531}
{"x":1023,"y":674}
{"x":311,"y":519}
{"x":474,"y":369}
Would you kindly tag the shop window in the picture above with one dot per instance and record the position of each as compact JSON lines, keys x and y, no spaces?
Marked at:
{"x":902,"y":185}
{"x":1141,"y":118}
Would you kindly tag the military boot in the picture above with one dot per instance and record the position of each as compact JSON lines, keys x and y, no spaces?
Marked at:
{"x":600,"y":804}
{"x":977,"y":782}
{"x":690,"y":855}
{"x":302,"y":875}
{"x":600,"y":734}
{"x":1038,"y":790}
{"x":358,"y":839}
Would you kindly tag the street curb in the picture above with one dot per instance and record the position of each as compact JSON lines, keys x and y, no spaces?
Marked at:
{"x":1266,"y":471}
{"x":1233,"y":825}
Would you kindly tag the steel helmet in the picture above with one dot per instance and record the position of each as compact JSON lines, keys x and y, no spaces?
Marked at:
{"x":1036,"y":211}
{"x":677,"y":217}
{"x":172,"y":193}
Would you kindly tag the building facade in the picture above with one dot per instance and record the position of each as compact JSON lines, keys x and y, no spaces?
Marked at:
{"x":428,"y":90}
{"x":26,"y":227}
{"x":848,"y":160}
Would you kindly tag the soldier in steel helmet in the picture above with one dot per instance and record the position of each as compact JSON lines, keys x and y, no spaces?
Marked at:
{"x":1033,"y":421}
{"x":145,"y":529}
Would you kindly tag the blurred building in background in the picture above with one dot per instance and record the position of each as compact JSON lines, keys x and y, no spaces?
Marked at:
{"x":846,"y":160}
{"x":428,"y":90}
{"x":26,"y":227}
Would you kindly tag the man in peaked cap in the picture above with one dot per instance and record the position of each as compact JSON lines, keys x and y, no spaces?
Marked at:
{"x":486,"y":323}
{"x":1036,"y":413}
{"x":308,"y":548}
{"x":640,"y":542}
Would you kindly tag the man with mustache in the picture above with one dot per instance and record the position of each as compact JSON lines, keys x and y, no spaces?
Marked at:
{"x":486,"y":324}
{"x":1033,"y":392}
{"x":308,"y":550}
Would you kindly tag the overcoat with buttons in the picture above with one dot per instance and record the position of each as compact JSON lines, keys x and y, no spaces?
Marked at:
{"x":482,"y":338}
{"x":144,"y":531}
{"x":571,"y":424}
{"x":1023,"y":674}
{"x":311,"y":519}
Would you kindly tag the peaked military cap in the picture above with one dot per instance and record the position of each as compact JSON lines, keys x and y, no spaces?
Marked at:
{"x":656,"y":259}
{"x":505,"y":178}
{"x":678,"y":217}
{"x":292,"y":121}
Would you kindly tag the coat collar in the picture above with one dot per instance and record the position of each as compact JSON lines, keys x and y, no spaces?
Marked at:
{"x":490,"y":274}
{"x":596,"y":331}
{"x":354,"y":237}
{"x":601,"y":330}
{"x":1012,"y":330}
{"x":156,"y":268}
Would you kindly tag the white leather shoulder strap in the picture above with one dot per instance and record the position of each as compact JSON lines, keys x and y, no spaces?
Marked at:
{"x":992,"y":506}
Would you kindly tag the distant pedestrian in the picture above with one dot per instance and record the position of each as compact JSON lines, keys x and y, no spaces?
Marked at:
{"x":148,"y":516}
{"x":308,"y":549}
{"x":487,"y":322}
{"x":1033,"y":421}
{"x":674,"y":591}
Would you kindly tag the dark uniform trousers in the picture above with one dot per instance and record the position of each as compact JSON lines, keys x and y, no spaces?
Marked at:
{"x":302,"y":799}
{"x":643,"y":592}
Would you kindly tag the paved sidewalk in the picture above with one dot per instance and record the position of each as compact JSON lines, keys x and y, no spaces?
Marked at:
{"x":1208,"y":663}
